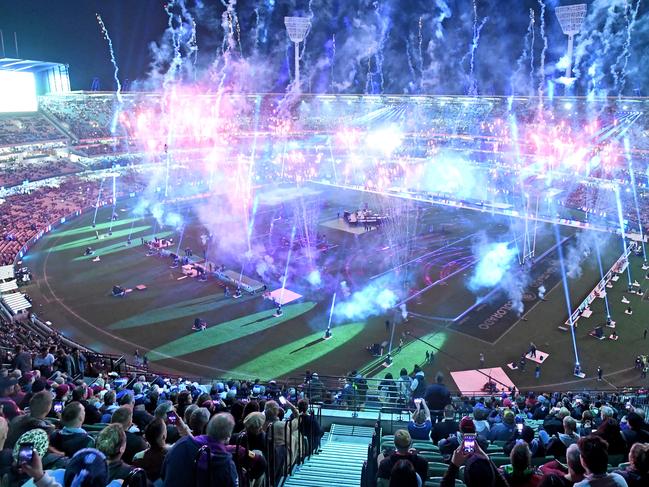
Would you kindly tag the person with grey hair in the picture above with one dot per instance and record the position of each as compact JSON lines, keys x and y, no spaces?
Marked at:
{"x":557,"y":474}
{"x":198,"y":420}
{"x":222,"y":470}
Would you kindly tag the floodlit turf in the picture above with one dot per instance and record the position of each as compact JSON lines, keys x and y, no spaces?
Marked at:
{"x":299,"y":354}
{"x":74,"y":293}
{"x":227,"y":332}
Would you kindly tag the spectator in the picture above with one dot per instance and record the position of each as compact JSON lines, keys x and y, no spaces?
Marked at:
{"x":80,"y":394}
{"x":520,"y":472}
{"x":558,"y":444}
{"x":418,"y":385}
{"x":594,"y":458}
{"x":22,"y":360}
{"x":420,"y":424}
{"x":637,"y":473}
{"x":308,"y":425}
{"x":37,"y":406}
{"x":109,"y":407}
{"x":403,"y":475}
{"x":88,"y":468}
{"x":437,"y":397}
{"x":609,"y":431}
{"x":224,"y":473}
{"x":388,"y":390}
{"x":403,"y":385}
{"x":479,"y":470}
{"x":112,"y":443}
{"x":152,"y":458}
{"x":72,"y":437}
{"x":636,"y":432}
{"x":198,"y":421}
{"x":134,"y":441}
{"x":446,"y":427}
{"x":557,"y":475}
{"x":402,"y":443}
{"x":141,"y":417}
{"x":448,"y":445}
{"x":503,"y":431}
{"x":482,"y":426}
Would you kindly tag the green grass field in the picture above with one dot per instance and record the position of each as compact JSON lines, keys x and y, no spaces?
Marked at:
{"x":420,"y":246}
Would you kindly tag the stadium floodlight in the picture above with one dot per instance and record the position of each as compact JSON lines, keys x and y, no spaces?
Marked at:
{"x":297,"y":27}
{"x":571,"y":19}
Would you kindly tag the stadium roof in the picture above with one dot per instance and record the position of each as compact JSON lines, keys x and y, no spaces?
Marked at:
{"x":10,"y":64}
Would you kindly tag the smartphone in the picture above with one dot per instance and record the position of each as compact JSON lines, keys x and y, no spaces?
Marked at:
{"x":469,"y":443}
{"x":282,"y":400}
{"x":171,"y":417}
{"x":58,"y":407}
{"x":519,"y":427}
{"x":25,"y":453}
{"x":418,"y":400}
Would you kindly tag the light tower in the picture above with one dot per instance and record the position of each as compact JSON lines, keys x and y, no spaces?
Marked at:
{"x":571,"y":18}
{"x":297,"y":28}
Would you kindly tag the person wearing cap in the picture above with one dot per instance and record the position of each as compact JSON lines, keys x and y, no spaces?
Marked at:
{"x":7,"y":386}
{"x":503,"y":431}
{"x":448,"y":445}
{"x":88,"y":467}
{"x":402,"y":443}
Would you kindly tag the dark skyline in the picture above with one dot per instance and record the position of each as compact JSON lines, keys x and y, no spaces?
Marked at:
{"x":355,"y":46}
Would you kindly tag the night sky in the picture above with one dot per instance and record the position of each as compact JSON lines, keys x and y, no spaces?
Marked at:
{"x":355,"y":46}
{"x":66,"y":31}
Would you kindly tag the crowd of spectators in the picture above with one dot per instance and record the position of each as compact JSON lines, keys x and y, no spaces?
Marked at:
{"x":25,"y":214}
{"x":19,"y":129}
{"x":522,"y":440}
{"x":167,"y":431}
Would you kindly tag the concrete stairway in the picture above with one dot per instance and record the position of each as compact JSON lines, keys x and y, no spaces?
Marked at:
{"x":344,"y":449}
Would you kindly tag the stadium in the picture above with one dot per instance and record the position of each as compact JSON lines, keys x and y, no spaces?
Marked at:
{"x":325,"y":248}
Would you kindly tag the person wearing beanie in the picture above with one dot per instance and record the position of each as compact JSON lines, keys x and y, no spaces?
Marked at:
{"x":448,"y":445}
{"x":387,"y":461}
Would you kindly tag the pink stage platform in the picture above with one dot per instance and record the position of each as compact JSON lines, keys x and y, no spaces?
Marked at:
{"x":284,"y":296}
{"x":472,"y":381}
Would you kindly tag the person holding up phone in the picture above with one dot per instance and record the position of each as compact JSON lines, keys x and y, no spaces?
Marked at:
{"x":479,"y":470}
{"x":420,"y":423}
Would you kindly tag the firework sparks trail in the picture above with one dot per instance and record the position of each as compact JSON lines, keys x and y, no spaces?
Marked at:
{"x":477,"y":29}
{"x":601,"y":274}
{"x":543,"y":53}
{"x":288,"y":261}
{"x":333,"y":61}
{"x":521,"y":60}
{"x":114,"y":214}
{"x":113,"y":60}
{"x":176,"y":61}
{"x":630,"y":14}
{"x":101,"y":188}
{"x":620,"y":216}
{"x":629,"y":158}
{"x":531,"y":53}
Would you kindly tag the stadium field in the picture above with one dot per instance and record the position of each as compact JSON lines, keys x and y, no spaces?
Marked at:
{"x":425,"y":254}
